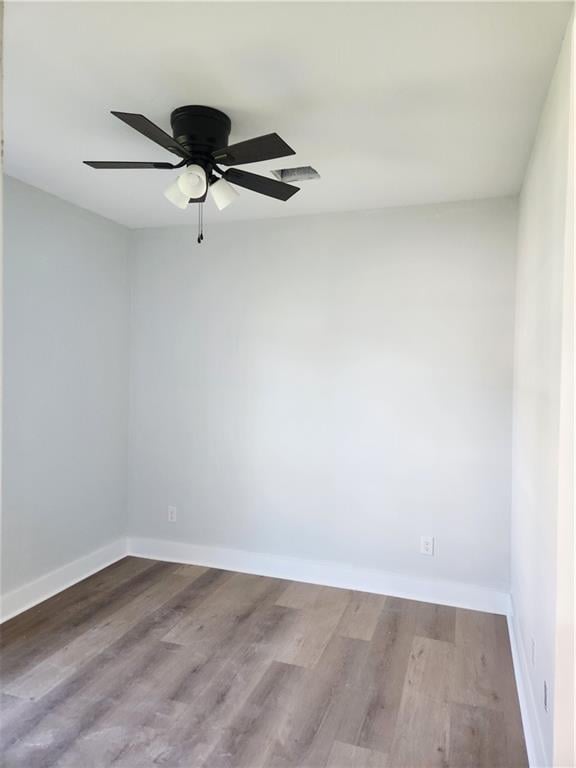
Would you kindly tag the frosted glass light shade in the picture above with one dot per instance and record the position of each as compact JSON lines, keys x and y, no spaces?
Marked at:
{"x":223,"y":193}
{"x":176,"y":196}
{"x":193,"y":181}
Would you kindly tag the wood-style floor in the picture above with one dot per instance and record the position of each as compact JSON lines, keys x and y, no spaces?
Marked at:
{"x":155,"y":664}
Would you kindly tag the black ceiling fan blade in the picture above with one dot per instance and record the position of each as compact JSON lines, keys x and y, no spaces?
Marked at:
{"x":152,"y":132}
{"x":114,"y":164}
{"x":266,"y":147}
{"x":261,"y":184}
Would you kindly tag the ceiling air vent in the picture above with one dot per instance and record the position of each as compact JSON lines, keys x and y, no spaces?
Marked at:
{"x":304,"y":173}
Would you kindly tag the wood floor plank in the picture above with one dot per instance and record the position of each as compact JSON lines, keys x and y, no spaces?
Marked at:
{"x":153,"y":664}
{"x":248,"y":740}
{"x":97,"y":748}
{"x":474,"y":678}
{"x":477,"y":738}
{"x":361,"y":616}
{"x":12,"y":710}
{"x":103,"y":678}
{"x":474,"y":628}
{"x":60,"y":609}
{"x":315,"y":622}
{"x":347,"y":756}
{"x":23,"y":651}
{"x":322,"y":706}
{"x":217,"y":689}
{"x":64,"y":723}
{"x":482,"y":674}
{"x":424,"y":709}
{"x":54,"y":669}
{"x":438,"y":622}
{"x":299,"y":595}
{"x":236,"y":599}
{"x":376,"y":700}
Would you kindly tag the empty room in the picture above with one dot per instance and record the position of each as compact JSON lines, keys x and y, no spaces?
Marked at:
{"x":287,"y":384}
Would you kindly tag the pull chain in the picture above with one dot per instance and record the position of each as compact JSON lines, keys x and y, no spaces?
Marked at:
{"x":200,"y":222}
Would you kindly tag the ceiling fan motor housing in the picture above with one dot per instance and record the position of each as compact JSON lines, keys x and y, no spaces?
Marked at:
{"x":201,"y":130}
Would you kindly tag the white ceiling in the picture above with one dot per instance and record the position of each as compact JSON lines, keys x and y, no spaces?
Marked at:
{"x":393,"y":103}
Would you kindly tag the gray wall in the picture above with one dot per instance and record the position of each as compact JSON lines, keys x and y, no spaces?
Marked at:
{"x":65,"y":382}
{"x":329,"y":387}
{"x":540,"y":516}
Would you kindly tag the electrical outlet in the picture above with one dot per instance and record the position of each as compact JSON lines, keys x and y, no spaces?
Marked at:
{"x":532,"y":652}
{"x":172,"y":514}
{"x":427,"y":545}
{"x":545,"y":696}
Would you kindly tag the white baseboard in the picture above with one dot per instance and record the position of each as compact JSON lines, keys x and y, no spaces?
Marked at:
{"x":29,"y":595}
{"x":532,"y":732}
{"x":327,"y":573}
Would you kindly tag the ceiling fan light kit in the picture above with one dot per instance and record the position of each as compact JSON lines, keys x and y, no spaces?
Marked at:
{"x":222,"y":193}
{"x":200,"y":142}
{"x":174,"y":194}
{"x":193,"y":182}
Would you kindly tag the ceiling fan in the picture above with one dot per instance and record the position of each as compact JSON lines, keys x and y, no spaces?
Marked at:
{"x":200,"y":141}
